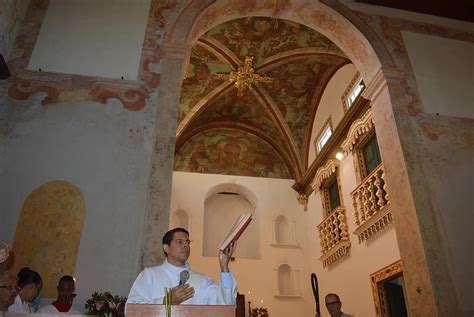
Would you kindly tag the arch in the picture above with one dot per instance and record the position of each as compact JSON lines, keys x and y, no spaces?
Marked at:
{"x":49,"y":231}
{"x":314,"y":14}
{"x":180,"y":218}
{"x":234,"y":188}
{"x":221,"y":209}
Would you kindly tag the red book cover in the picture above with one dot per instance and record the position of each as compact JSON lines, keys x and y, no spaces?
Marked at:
{"x":237,"y":229}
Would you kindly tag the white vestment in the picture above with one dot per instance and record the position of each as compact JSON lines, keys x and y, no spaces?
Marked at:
{"x":50,"y":309}
{"x":19,"y":306}
{"x":149,"y":287}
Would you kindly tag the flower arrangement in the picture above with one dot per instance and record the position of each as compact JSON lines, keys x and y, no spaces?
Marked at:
{"x":259,"y":312}
{"x":105,"y":304}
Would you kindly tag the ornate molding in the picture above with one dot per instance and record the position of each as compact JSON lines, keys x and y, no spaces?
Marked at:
{"x":378,"y":291}
{"x":68,"y":88}
{"x":358,"y":127}
{"x":303,"y":200}
{"x":375,"y":223}
{"x":337,"y":252}
{"x":324,"y":172}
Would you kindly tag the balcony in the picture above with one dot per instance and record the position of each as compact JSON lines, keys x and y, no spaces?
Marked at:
{"x":333,"y":236}
{"x":371,"y":204}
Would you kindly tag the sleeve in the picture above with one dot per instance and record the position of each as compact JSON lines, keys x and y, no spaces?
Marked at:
{"x":223,"y":294}
{"x":142,"y":290}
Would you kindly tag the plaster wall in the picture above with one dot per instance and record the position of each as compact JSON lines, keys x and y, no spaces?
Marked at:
{"x":349,"y":278}
{"x":444,"y":70}
{"x":104,"y":151}
{"x":89,"y":37}
{"x":12,"y":14}
{"x":331,"y":105}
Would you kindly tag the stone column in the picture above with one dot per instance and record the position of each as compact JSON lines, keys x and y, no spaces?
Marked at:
{"x":429,"y":287}
{"x":162,"y":157}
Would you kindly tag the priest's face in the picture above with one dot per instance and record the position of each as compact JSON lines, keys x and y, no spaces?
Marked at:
{"x":178,"y":250}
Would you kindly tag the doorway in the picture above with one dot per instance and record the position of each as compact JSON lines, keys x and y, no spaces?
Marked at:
{"x":388,"y":290}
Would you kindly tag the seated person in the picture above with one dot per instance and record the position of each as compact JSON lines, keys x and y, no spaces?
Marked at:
{"x":8,"y":289}
{"x":149,"y":287}
{"x":8,"y":282}
{"x":30,"y":284}
{"x":63,"y":305}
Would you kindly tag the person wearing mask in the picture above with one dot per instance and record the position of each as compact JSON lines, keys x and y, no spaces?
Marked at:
{"x":30,"y":284}
{"x":63,"y":304}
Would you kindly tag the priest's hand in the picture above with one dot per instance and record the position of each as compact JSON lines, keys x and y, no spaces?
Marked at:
{"x":181,"y":293}
{"x":224,"y":257}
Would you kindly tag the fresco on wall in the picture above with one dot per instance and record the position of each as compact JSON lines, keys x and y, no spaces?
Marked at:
{"x":301,"y":62}
{"x":224,"y":151}
{"x":49,"y":231}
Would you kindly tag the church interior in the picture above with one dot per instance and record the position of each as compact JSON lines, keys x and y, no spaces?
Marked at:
{"x":345,"y":127}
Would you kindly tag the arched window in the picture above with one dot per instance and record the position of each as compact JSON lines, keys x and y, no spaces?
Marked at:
{"x":220,"y":212}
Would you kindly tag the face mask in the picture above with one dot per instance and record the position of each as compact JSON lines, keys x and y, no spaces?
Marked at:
{"x":36,"y":302}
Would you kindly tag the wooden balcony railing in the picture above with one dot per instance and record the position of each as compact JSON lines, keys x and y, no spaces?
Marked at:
{"x":333,"y":236}
{"x":371,"y":204}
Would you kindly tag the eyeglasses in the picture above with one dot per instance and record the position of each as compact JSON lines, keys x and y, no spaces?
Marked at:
{"x":11,"y":287}
{"x":333,"y":303}
{"x":183,"y":242}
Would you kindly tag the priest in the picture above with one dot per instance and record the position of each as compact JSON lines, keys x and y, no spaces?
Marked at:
{"x":193,"y":288}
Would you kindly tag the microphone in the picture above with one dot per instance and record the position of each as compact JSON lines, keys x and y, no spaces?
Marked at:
{"x":183,"y":277}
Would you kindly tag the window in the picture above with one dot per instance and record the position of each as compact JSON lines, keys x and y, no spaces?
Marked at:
{"x":371,"y":155}
{"x":355,"y":92}
{"x":333,"y":192}
{"x":324,"y":136}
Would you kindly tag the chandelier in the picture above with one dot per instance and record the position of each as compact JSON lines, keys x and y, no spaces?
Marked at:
{"x":244,"y":77}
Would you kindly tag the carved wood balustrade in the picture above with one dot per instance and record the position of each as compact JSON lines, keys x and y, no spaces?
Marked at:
{"x":371,"y":204}
{"x":333,"y":236}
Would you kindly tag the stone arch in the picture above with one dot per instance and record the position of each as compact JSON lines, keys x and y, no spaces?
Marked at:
{"x":314,"y":14}
{"x":49,"y":232}
{"x":378,"y":52}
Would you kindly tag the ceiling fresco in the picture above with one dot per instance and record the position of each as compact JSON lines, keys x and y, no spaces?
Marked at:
{"x":275,"y":116}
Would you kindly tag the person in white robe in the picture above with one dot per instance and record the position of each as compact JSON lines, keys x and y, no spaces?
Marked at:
{"x":149,"y":287}
{"x":63,"y":304}
{"x":30,"y":284}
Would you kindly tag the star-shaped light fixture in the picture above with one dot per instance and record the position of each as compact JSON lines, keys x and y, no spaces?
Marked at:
{"x":244,"y":77}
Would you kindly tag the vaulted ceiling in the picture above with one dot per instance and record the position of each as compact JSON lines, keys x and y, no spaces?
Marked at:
{"x":266,"y":132}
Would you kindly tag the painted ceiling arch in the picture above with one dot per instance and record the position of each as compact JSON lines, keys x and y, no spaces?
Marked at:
{"x":279,"y":114}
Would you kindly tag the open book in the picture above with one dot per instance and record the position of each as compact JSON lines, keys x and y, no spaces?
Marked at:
{"x":234,"y":233}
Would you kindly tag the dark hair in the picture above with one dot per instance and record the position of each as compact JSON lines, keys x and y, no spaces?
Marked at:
{"x":168,"y":237}
{"x":67,"y":279}
{"x":27,"y":276}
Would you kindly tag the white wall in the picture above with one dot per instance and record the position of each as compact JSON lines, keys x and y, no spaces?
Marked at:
{"x":349,"y":278}
{"x":331,"y":105}
{"x":444,"y":71}
{"x":101,"y":149}
{"x":92,"y":37}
